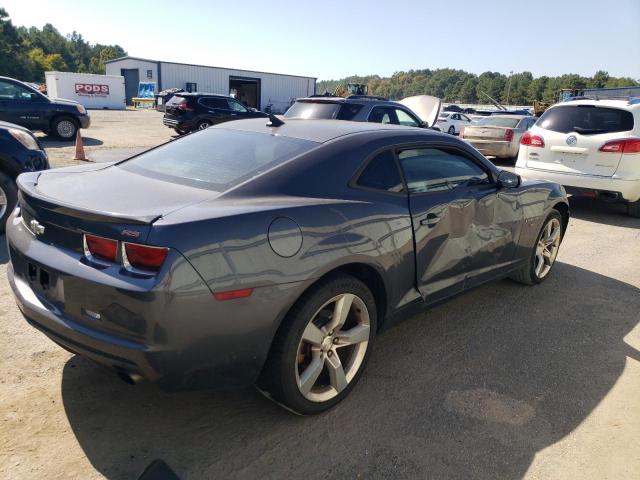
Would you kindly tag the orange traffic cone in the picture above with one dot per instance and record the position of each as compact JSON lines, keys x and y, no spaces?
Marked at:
{"x":79,"y":148}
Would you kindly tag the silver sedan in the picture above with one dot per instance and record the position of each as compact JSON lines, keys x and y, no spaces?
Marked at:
{"x":498,"y":135}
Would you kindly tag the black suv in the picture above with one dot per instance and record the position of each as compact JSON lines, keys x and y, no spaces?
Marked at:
{"x":20,"y":152}
{"x":357,"y":108}
{"x":22,"y":105}
{"x":186,"y":112}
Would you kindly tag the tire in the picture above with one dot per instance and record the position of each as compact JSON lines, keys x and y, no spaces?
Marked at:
{"x":8,"y":199}
{"x":532,"y":274}
{"x":633,"y":209}
{"x":452,"y":130}
{"x":204,"y":124}
{"x":64,"y":128}
{"x":179,"y":131}
{"x":294,"y":358}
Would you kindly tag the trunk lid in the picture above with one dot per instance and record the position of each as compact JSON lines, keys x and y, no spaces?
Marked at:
{"x":106,"y":201}
{"x":573,"y":135}
{"x":485,"y":132}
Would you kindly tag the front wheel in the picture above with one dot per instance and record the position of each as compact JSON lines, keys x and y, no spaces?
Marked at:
{"x":204,"y":125}
{"x":544,"y":252}
{"x":322,"y":346}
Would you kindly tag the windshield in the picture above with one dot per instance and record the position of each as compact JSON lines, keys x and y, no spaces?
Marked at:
{"x":216,"y":158}
{"x":317,"y":110}
{"x":586,"y":119}
{"x":498,"y":122}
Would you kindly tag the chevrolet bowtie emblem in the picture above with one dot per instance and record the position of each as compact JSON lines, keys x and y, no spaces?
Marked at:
{"x":36,"y":228}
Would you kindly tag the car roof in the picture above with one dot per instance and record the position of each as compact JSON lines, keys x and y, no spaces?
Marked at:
{"x":201,"y":94}
{"x":617,"y":103}
{"x":319,"y":131}
{"x":350,"y":99}
{"x":510,"y":115}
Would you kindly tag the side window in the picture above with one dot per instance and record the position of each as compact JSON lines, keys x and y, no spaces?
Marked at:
{"x":214,"y":102}
{"x":236,"y":106}
{"x":381,"y":173}
{"x":438,"y":170}
{"x":348,"y":111}
{"x":383,"y":115}
{"x":405,"y":119}
{"x":11,"y":91}
{"x":465,"y":118}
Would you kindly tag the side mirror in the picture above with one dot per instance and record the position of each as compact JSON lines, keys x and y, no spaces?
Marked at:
{"x":424,"y":125}
{"x":508,"y":179}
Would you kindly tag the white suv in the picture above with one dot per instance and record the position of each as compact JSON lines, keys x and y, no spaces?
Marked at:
{"x":590,"y":146}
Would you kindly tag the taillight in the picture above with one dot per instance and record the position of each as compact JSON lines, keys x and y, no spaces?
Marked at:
{"x":100,"y":247}
{"x":628,"y":145}
{"x":531,"y":140}
{"x":143,"y":257}
{"x":183,"y":107}
{"x":508,"y":135}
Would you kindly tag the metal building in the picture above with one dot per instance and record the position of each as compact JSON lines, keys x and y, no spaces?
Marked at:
{"x":255,"y":89}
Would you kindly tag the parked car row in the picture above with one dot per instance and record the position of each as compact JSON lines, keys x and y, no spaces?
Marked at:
{"x":272,"y":251}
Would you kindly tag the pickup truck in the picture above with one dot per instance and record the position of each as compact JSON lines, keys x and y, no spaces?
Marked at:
{"x":25,"y":106}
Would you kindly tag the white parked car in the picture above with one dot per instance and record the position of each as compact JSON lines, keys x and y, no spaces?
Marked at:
{"x":592,"y":147}
{"x":452,"y":122}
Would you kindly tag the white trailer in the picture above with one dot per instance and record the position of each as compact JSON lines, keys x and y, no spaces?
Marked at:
{"x":91,"y":90}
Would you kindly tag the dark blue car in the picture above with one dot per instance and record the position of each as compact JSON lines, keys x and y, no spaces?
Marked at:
{"x":20,"y":152}
{"x":269,"y":253}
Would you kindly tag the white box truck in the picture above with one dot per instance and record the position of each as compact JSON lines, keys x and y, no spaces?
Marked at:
{"x":91,"y":90}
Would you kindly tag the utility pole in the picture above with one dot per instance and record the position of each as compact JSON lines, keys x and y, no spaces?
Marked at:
{"x":509,"y":87}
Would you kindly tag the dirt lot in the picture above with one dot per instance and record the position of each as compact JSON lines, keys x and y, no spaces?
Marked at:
{"x":504,"y":382}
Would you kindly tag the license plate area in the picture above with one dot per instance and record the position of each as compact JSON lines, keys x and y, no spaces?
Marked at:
{"x":45,"y":283}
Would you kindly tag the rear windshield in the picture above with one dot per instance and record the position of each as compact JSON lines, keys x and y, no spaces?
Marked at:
{"x":175,"y":100}
{"x":586,"y":119}
{"x":498,"y":122}
{"x":215,"y":158}
{"x":321,"y":110}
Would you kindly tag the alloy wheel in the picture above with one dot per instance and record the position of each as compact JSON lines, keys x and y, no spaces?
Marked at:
{"x":547,"y":248}
{"x":204,"y":125}
{"x":65,"y":128}
{"x":333,"y":347}
{"x":3,"y":202}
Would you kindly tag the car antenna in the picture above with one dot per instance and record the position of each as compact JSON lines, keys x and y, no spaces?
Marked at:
{"x":274,"y":121}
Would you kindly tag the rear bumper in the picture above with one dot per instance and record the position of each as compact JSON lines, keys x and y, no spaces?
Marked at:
{"x":169,"y":331}
{"x":495,"y":148}
{"x":628,"y":190}
{"x":182,"y":124}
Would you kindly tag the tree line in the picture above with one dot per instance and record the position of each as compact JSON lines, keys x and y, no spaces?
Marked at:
{"x":458,"y":86}
{"x":26,"y":53}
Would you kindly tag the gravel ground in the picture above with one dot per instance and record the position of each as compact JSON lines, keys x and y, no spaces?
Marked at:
{"x":505,"y":381}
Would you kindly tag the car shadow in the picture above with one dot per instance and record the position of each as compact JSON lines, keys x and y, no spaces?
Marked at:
{"x":598,"y":211}
{"x":52,"y":142}
{"x":471,"y":389}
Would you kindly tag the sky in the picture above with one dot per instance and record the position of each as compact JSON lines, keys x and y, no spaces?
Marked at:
{"x":334,"y":39}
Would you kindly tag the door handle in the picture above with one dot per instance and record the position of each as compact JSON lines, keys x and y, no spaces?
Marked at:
{"x":431,"y":220}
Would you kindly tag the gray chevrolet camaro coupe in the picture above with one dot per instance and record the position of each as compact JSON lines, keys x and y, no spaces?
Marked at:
{"x":268,"y":254}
